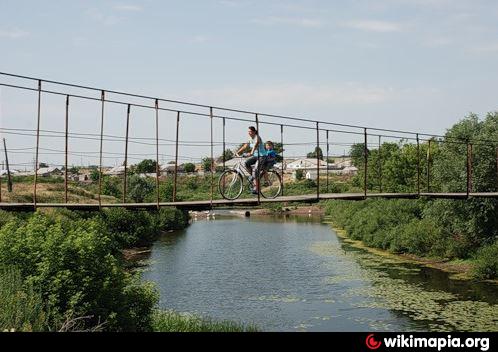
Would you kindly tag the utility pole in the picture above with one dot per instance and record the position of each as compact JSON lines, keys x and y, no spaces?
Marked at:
{"x":9,"y":179}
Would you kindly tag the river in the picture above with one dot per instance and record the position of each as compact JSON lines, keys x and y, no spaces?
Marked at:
{"x":296,"y":274}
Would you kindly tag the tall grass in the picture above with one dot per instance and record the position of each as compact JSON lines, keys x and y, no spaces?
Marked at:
{"x":21,"y":306}
{"x":169,"y":321}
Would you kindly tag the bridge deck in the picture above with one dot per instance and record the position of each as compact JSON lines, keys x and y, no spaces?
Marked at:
{"x":206,"y":204}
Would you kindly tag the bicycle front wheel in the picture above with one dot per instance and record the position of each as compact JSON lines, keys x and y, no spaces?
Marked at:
{"x":270,"y":184}
{"x":230,"y":184}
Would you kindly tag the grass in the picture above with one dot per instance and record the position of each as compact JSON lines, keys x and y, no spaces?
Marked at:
{"x":169,"y":321}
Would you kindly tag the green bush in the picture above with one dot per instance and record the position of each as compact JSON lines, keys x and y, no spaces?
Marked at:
{"x":21,"y":306}
{"x":112,"y":186}
{"x":73,"y":263}
{"x":487,"y":262}
{"x":140,"y":188}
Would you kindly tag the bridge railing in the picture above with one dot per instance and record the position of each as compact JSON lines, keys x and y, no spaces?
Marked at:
{"x":175,"y":117}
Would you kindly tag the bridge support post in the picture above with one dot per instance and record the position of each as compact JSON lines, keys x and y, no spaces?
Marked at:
{"x":212,"y":157}
{"x":318,"y":161}
{"x":429,"y":166}
{"x":418,"y":166}
{"x":9,"y":178}
{"x":365,"y":152}
{"x":176,"y":155}
{"x":102,"y":99}
{"x":327,"y":160}
{"x":469,"y":168}
{"x":380,"y":165}
{"x":282,"y":163}
{"x":66,"y":149}
{"x":156,"y":107}
{"x":37,"y":142}
{"x":125,"y":184}
{"x":223,"y":154}
{"x":258,"y":169}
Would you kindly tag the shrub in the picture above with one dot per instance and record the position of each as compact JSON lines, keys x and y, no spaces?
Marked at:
{"x":129,"y":228}
{"x":189,"y":167}
{"x":21,"y":306}
{"x":112,"y":186}
{"x":73,"y":263}
{"x":487,"y":262}
{"x":140,"y":188}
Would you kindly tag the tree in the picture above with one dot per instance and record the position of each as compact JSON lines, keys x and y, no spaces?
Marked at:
{"x":40,"y":165}
{"x":94,"y":175}
{"x":189,"y":167}
{"x":139,"y":188}
{"x":207,"y":163}
{"x":146,"y":166}
{"x":313,"y":154}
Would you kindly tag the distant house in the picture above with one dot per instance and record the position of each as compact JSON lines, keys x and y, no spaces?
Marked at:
{"x":305,"y":164}
{"x":5,"y":172}
{"x":170,"y":168}
{"x":49,"y":171}
{"x":115,"y":171}
{"x":349,"y":170}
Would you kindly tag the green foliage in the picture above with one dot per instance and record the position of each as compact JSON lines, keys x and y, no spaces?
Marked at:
{"x":168,"y":321}
{"x":21,"y":306}
{"x":139,"y":188}
{"x":487,"y":262}
{"x":318,"y":151}
{"x":189,"y":167}
{"x":112,"y":186}
{"x":146,"y":166}
{"x":74,"y":263}
{"x":94,"y":175}
{"x":207,"y":164}
{"x":299,"y":174}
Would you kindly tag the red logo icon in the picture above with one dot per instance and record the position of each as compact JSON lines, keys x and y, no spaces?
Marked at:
{"x":371,"y":343}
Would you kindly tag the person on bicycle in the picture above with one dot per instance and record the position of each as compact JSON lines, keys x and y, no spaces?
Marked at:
{"x":257,"y":148}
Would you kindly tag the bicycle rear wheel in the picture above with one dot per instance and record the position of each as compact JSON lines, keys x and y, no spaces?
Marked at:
{"x":270,"y":184}
{"x":230,"y":184}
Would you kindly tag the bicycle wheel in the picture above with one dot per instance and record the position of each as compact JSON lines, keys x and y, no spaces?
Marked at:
{"x":270,"y":184}
{"x":230,"y":184}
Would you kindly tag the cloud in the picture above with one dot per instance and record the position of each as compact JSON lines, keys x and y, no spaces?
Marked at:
{"x":13,"y":33}
{"x":127,"y":7}
{"x":294,"y":94}
{"x":373,"y":26}
{"x":485,"y":48}
{"x":299,"y":22}
{"x":107,"y":20}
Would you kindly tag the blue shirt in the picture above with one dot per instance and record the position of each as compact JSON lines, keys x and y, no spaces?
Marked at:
{"x":271,"y":154}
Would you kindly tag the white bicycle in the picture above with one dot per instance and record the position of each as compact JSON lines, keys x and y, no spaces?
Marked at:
{"x":231,"y":182}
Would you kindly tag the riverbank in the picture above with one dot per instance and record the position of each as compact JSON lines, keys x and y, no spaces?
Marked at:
{"x":406,"y":229}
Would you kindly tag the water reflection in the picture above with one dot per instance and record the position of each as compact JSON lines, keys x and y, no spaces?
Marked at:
{"x":291,"y":273}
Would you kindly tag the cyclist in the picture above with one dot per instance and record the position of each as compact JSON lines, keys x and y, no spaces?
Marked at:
{"x":257,"y":148}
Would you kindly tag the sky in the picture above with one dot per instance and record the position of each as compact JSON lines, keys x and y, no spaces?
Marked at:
{"x":418,"y":65}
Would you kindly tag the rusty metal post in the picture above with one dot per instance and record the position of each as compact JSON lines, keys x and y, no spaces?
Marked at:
{"x":125,"y":184}
{"x":365,"y":152}
{"x":212,"y":157}
{"x":258,"y":169}
{"x":176,"y":155}
{"x":0,"y":188}
{"x":223,"y":154}
{"x":380,"y":165}
{"x":429,"y":167}
{"x":37,"y":143}
{"x":418,"y":166}
{"x":469,"y":168}
{"x":327,"y":160}
{"x":9,"y":178}
{"x":282,"y":163}
{"x":156,"y":106}
{"x":102,"y":99}
{"x":318,"y":149}
{"x":66,"y":149}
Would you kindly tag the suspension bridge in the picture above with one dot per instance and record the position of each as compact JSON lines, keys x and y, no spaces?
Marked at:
{"x":33,"y":102}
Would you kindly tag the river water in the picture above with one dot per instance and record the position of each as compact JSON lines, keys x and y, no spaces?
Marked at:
{"x":296,"y":274}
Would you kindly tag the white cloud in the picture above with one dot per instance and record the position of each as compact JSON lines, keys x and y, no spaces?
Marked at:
{"x":485,"y":48}
{"x":13,"y":33}
{"x":373,"y":26}
{"x":107,"y":20}
{"x":294,"y":94}
{"x":300,"y":22}
{"x":127,"y":7}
